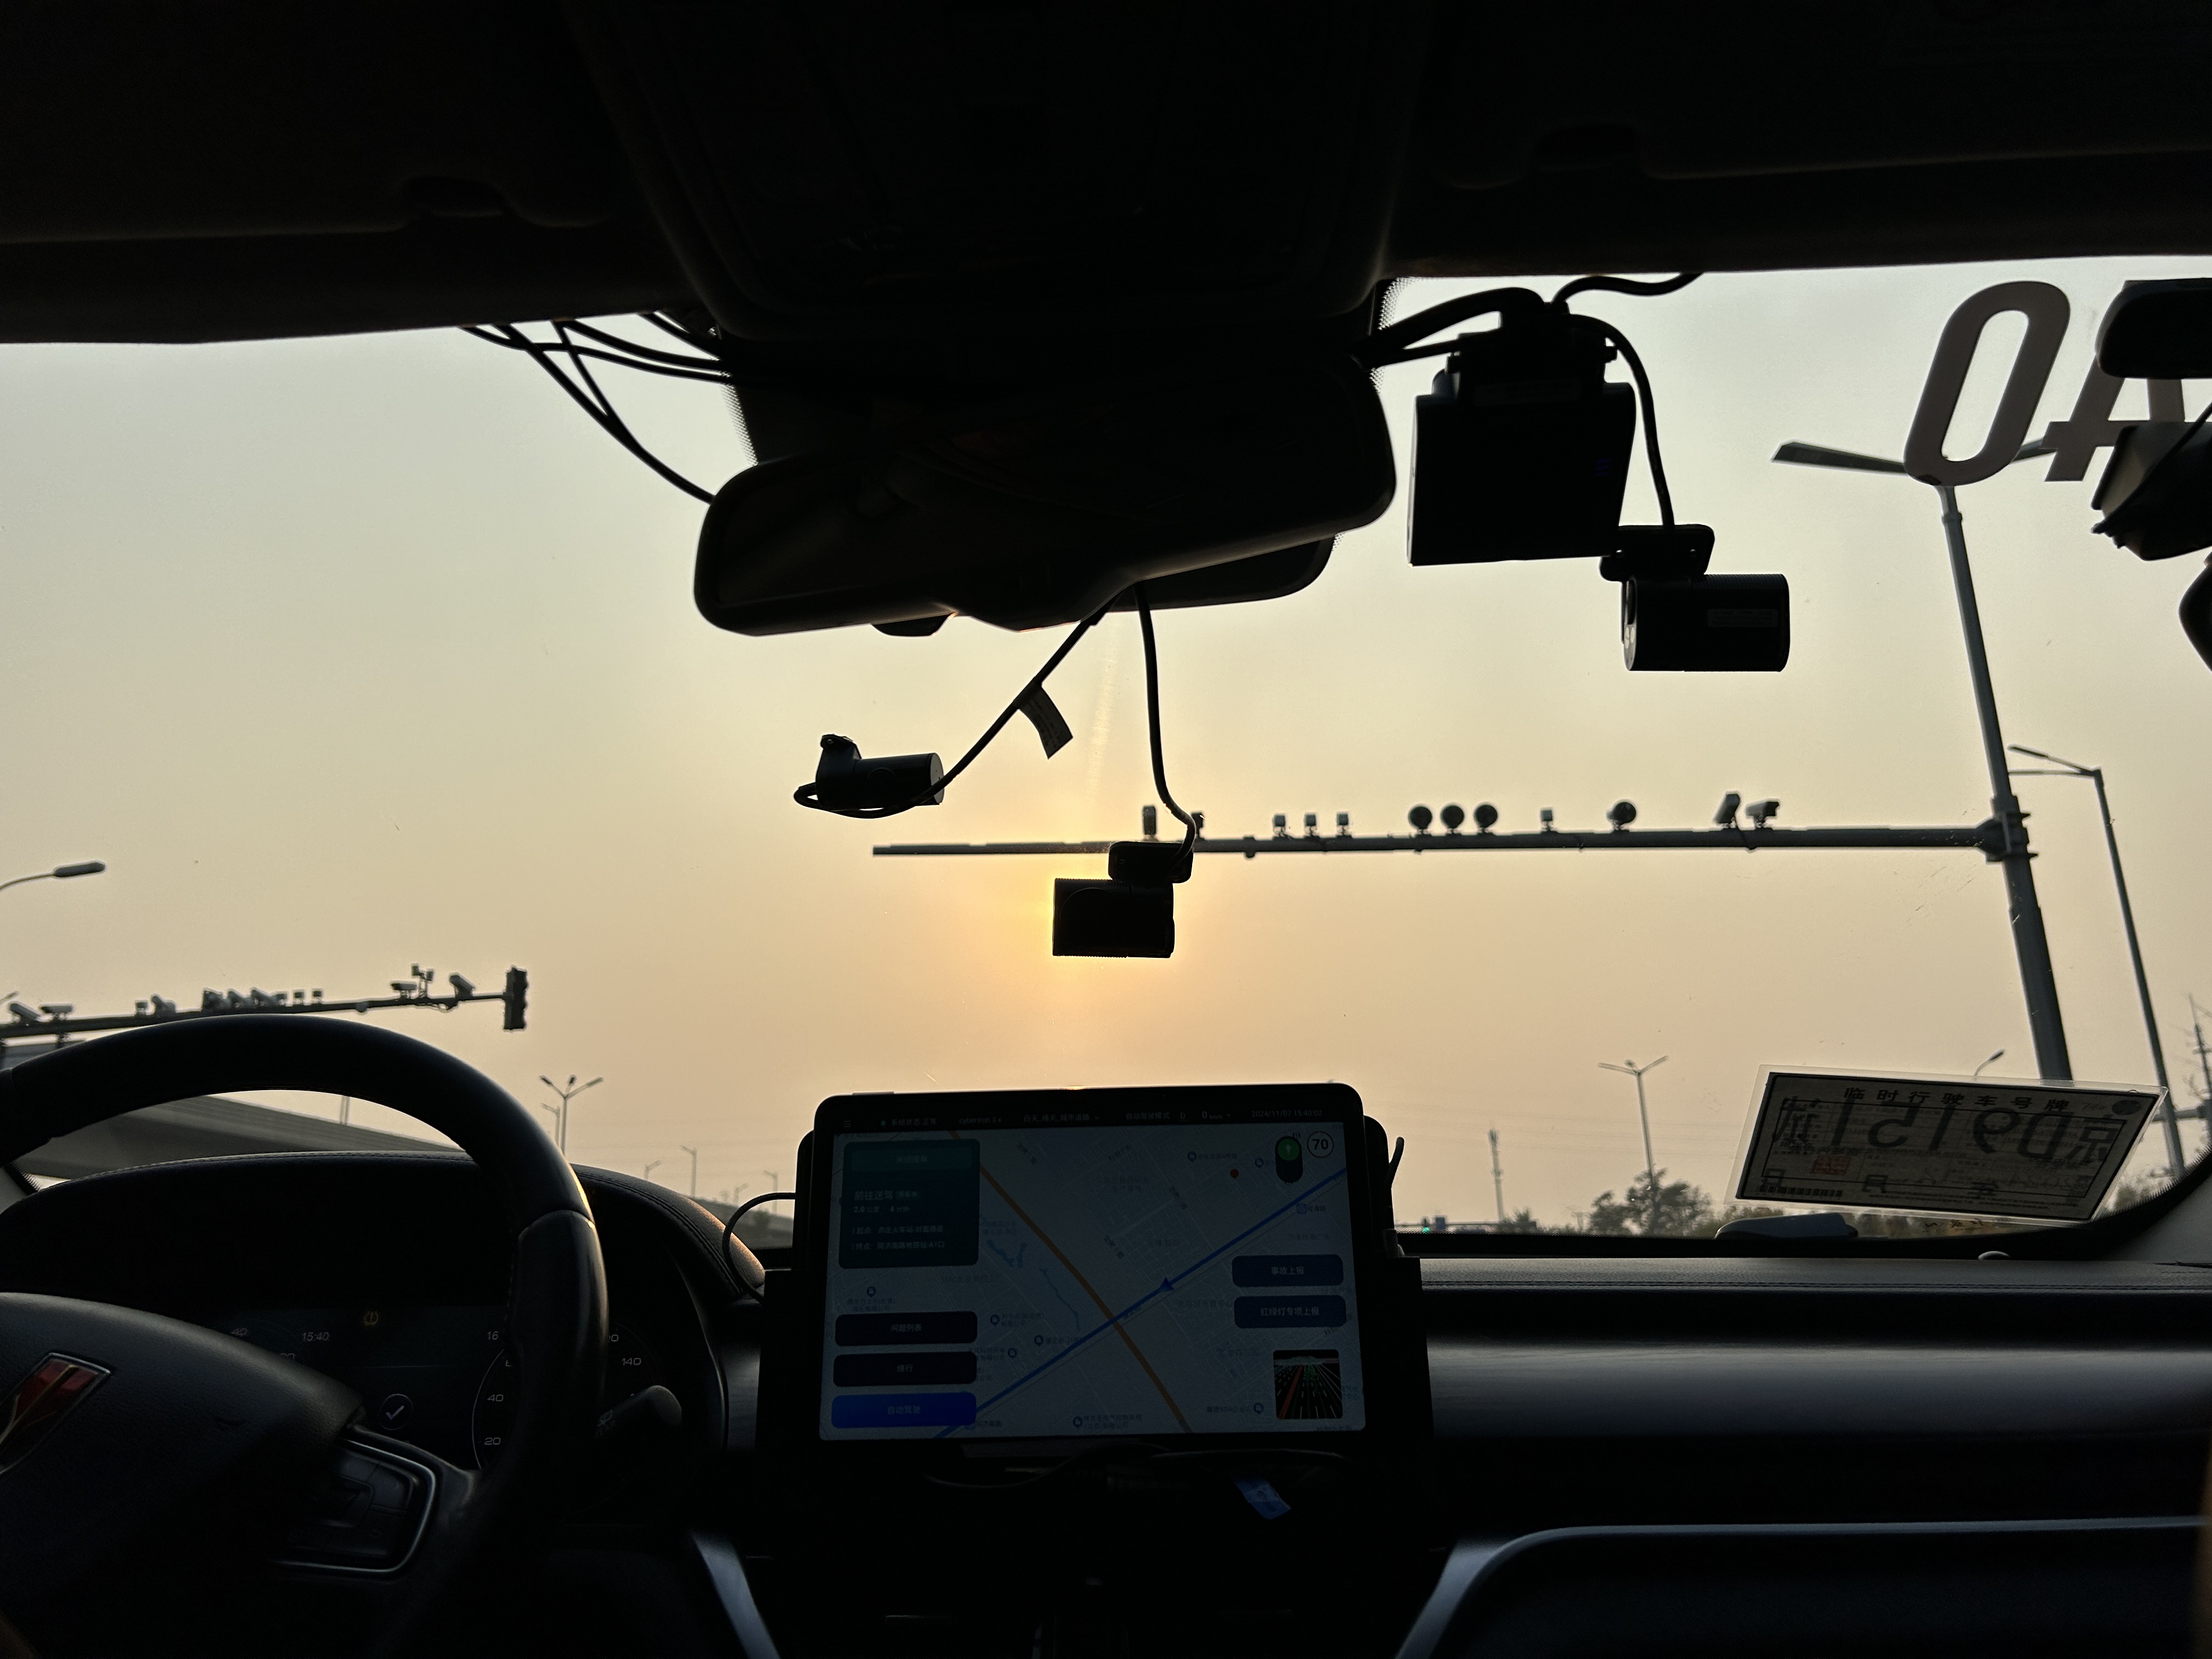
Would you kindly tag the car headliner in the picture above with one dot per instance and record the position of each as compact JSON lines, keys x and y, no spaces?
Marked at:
{"x":229,"y":169}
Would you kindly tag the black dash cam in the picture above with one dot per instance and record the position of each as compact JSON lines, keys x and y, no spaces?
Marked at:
{"x":1521,"y":446}
{"x":1112,"y":919}
{"x":1675,"y":619}
{"x":845,"y":779}
{"x":1705,"y":624}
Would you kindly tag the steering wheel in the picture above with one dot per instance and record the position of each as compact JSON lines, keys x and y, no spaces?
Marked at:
{"x":140,"y":1454}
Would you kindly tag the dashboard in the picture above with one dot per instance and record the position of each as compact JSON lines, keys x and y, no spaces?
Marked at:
{"x":1640,"y":1399}
{"x":437,"y":1377}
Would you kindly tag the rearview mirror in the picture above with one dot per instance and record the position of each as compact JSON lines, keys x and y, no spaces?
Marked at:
{"x":2158,"y":332}
{"x":1042,"y":515}
{"x":2156,"y":493}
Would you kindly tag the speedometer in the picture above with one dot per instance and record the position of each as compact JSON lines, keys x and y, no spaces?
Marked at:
{"x":632,"y":1367}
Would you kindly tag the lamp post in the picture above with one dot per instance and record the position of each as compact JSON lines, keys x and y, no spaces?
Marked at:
{"x":560,"y":1117}
{"x":1643,"y":1117}
{"x":693,"y":1190}
{"x":1497,"y":1178}
{"x":2031,"y":944}
{"x":2067,"y":769}
{"x":60,"y":872}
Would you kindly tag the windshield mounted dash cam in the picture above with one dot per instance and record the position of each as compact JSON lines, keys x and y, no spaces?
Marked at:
{"x":1521,"y":445}
{"x":1132,"y":912}
{"x":1675,"y":619}
{"x":846,"y":781}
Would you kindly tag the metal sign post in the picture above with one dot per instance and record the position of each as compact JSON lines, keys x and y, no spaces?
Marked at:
{"x":2030,"y":944}
{"x":2045,"y":310}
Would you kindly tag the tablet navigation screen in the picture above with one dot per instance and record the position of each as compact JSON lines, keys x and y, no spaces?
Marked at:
{"x":1133,"y":1280}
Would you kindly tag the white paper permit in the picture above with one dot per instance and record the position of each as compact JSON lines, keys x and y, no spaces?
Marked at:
{"x":1944,"y":1146}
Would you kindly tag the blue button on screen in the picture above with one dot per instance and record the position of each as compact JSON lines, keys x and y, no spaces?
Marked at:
{"x":901,"y":1410}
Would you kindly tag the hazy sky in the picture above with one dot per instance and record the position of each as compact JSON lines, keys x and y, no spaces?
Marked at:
{"x":351,"y":653}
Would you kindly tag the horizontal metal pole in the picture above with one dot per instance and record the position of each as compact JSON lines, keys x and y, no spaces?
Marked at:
{"x":16,"y":1030}
{"x":1988,"y":836}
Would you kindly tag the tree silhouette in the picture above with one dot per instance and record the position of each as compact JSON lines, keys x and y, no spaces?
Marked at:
{"x":1681,"y":1210}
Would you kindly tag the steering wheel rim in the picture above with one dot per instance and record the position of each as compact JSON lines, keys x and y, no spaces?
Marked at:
{"x":557,"y":1327}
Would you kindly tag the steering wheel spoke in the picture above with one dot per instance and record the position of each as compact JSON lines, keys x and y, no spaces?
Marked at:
{"x":369,"y":1509}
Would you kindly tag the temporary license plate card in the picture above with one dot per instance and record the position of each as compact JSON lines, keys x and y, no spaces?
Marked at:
{"x":2031,"y":1151}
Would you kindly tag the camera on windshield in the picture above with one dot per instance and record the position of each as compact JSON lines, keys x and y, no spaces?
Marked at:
{"x":1676,"y":618}
{"x":1521,"y":446}
{"x":1111,"y":918}
{"x":846,"y":780}
{"x":1132,"y":912}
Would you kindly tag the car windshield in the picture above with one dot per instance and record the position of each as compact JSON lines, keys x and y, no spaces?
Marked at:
{"x":355,"y":655}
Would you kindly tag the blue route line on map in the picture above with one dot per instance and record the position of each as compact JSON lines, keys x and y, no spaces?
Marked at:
{"x":1162,"y":1288}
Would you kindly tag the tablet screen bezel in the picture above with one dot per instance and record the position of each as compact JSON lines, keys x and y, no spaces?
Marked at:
{"x":1043,"y":1110}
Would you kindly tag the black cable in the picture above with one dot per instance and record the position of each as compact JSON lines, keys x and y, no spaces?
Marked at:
{"x":1382,"y":347}
{"x":584,"y":372}
{"x":711,"y":365}
{"x":716,"y":379}
{"x":1387,"y":345}
{"x":730,"y":1231}
{"x":1623,"y":285}
{"x":669,"y":325}
{"x":802,"y":793}
{"x":620,"y":428}
{"x":1651,"y":421}
{"x":713,"y":377}
{"x":1152,"y":720}
{"x":1440,"y":349}
{"x":507,"y":335}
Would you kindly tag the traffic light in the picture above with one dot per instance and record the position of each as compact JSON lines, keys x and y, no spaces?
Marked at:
{"x":516,"y":996}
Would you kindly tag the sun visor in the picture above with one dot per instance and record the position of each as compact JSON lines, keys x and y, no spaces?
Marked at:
{"x":1042,"y":516}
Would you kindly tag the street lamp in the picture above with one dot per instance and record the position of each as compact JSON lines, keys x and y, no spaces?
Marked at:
{"x":693,"y":1190}
{"x":1990,"y":1061}
{"x":560,"y":1117}
{"x":2031,"y":944}
{"x":651,"y":1165}
{"x":2067,"y":769}
{"x":1644,"y":1116}
{"x":60,"y":872}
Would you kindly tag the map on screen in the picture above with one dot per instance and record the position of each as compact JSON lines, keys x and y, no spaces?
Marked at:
{"x":1125,"y":1279}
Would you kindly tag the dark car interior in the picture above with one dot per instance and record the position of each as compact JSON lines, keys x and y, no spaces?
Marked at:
{"x":1033,"y":311}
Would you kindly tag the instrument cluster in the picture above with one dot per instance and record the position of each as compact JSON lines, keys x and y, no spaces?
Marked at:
{"x":440,"y":1378}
